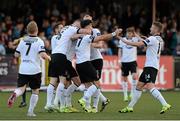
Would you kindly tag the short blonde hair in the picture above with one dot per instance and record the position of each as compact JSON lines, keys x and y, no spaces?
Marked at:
{"x":158,"y":25}
{"x":32,"y":27}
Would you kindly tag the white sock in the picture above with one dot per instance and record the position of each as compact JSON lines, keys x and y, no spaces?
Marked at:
{"x":50,"y":94}
{"x":125,"y":88}
{"x":68,"y":101}
{"x":67,"y":98}
{"x":56,"y":100}
{"x":71,"y":89}
{"x":96,"y":98}
{"x":133,"y":86}
{"x":52,"y":101}
{"x":88,"y":102}
{"x":33,"y":102}
{"x":60,"y":94}
{"x":18,"y":92}
{"x":135,"y":98}
{"x":156,"y":94}
{"x":102,"y":97}
{"x":90,"y":91}
{"x":81,"y":88}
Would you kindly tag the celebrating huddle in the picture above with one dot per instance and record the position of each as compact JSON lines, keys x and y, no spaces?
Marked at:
{"x":79,"y":41}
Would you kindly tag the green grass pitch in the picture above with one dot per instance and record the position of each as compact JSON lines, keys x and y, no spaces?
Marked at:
{"x":146,"y":109}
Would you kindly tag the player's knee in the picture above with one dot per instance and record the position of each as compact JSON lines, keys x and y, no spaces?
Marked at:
{"x":76,"y":81}
{"x":134,"y":77}
{"x":62,"y":79}
{"x":140,"y":86}
{"x":97,"y":84}
{"x":149,"y":86}
{"x":124,"y":78}
{"x":35,"y":91}
{"x":88,"y":84}
{"x":67,"y":84}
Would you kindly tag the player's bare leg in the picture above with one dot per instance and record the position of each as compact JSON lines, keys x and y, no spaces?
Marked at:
{"x":50,"y":93}
{"x":125,"y":87}
{"x":157,"y":95}
{"x":19,"y":91}
{"x":33,"y":101}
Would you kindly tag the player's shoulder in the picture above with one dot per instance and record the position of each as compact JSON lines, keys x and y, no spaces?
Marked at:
{"x":54,"y":37}
{"x":72,"y":27}
{"x":96,"y":32}
{"x":151,"y":38}
{"x":38,"y":40}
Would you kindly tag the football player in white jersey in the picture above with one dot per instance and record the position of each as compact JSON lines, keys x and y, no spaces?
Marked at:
{"x":30,"y":49}
{"x":53,"y":80}
{"x":85,"y":69}
{"x":148,"y":76}
{"x":97,"y":61}
{"x":58,"y":64}
{"x":127,"y":61}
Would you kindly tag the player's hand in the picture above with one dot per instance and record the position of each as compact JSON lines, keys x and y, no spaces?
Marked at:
{"x":118,"y":32}
{"x":49,"y":58}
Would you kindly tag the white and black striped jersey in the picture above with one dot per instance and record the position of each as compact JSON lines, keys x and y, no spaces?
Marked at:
{"x":153,"y":51}
{"x":29,"y":49}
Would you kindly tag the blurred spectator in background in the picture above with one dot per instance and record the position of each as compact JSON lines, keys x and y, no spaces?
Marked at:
{"x":106,"y":14}
{"x":2,"y":49}
{"x":106,"y":50}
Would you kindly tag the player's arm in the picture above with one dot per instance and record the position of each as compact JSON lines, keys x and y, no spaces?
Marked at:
{"x":84,"y":31}
{"x":97,"y":44}
{"x":137,"y":44}
{"x":17,"y":54}
{"x":18,"y":50}
{"x":42,"y":51}
{"x":45,"y":56}
{"x":107,"y":37}
{"x":77,"y":36}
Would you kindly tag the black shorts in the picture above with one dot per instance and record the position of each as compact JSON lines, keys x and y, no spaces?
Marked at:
{"x":148,"y":75}
{"x":87,"y":72}
{"x":57,"y":65}
{"x":98,"y":65}
{"x":128,"y":67}
{"x":34,"y":81}
{"x":71,"y":72}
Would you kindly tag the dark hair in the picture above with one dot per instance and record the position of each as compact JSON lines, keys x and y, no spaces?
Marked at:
{"x":56,"y":26}
{"x":85,"y":23}
{"x":130,"y":29}
{"x":158,"y":24}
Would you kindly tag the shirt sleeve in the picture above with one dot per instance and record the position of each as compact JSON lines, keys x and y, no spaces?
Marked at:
{"x":121,"y":44}
{"x":149,"y":41}
{"x":75,"y":29}
{"x":98,"y":33}
{"x":41,"y":47}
